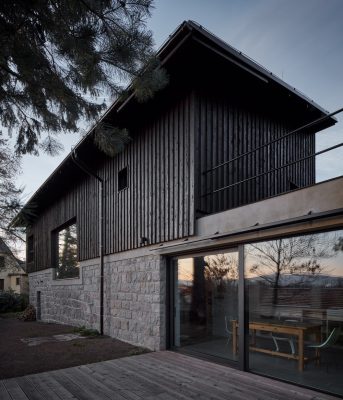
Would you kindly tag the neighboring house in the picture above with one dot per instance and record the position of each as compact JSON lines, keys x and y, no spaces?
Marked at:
{"x":212,"y":201}
{"x":12,"y":271}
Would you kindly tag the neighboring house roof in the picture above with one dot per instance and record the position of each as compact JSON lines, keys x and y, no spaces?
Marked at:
{"x":4,"y":249}
{"x":189,"y":32}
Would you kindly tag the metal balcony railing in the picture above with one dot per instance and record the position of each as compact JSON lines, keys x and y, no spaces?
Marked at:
{"x":267,"y":145}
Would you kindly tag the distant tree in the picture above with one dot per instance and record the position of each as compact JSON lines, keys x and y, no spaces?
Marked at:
{"x":291,"y":256}
{"x":58,"y":56}
{"x":221,"y":266}
{"x":10,"y":194}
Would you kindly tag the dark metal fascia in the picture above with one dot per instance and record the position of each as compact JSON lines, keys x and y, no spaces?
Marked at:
{"x":230,"y":59}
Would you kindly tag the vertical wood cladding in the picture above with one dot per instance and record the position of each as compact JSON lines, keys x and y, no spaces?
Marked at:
{"x":225,"y":130}
{"x":165,"y":162}
{"x":157,"y":204}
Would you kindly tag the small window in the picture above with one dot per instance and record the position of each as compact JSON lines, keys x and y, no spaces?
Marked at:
{"x":17,"y":281}
{"x":2,"y":284}
{"x":65,"y":249}
{"x":122,"y":179}
{"x":30,"y":249}
{"x":2,"y":262}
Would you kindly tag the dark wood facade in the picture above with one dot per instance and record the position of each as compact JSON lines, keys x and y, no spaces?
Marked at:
{"x":167,"y":184}
{"x":157,"y":205}
{"x":214,"y":109}
{"x":226,"y":130}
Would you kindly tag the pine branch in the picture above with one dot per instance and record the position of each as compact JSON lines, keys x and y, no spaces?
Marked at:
{"x":101,"y":17}
{"x":57,"y":53}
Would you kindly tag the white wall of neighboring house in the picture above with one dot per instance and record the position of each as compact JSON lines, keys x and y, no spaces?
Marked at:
{"x":12,"y":275}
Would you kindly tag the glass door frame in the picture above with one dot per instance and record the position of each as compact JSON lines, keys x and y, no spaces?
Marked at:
{"x":243,"y":355}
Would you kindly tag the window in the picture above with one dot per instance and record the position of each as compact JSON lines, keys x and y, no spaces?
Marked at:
{"x":65,"y":252}
{"x":122,"y":179}
{"x":2,"y":284}
{"x":2,"y":262}
{"x":17,"y":281}
{"x":30,"y":249}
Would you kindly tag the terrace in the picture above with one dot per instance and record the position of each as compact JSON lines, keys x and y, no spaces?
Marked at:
{"x":158,"y":376}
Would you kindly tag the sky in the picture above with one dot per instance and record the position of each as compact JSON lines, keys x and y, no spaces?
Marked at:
{"x":301,"y":41}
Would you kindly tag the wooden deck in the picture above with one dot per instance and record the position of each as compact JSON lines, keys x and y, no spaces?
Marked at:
{"x":160,"y":376}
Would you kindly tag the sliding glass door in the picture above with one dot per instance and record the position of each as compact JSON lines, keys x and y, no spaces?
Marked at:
{"x":295,"y":292}
{"x":276,"y":307}
{"x":206,"y":304}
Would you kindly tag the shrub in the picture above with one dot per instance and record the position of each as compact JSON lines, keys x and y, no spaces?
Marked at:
{"x":12,"y":302}
{"x":83,"y":331}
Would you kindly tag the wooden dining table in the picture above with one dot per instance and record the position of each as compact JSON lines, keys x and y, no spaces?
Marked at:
{"x":296,"y":329}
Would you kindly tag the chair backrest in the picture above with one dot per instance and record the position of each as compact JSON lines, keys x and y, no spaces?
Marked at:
{"x":332,"y":338}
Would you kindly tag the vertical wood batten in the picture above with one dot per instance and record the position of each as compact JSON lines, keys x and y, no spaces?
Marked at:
{"x":245,"y":130}
{"x":158,"y":203}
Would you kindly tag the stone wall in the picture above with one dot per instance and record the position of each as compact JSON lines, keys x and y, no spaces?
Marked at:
{"x":135,"y":297}
{"x":67,"y":301}
{"x":134,"y":301}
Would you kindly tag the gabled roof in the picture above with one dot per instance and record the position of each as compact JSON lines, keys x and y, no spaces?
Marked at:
{"x":218,"y":46}
{"x":4,"y":249}
{"x":189,"y":32}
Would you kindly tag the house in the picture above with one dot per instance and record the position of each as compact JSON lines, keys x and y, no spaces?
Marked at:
{"x":206,"y":227}
{"x":12,"y":271}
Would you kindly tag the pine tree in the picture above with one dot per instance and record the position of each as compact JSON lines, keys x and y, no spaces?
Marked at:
{"x":10,"y":194}
{"x":58,"y":56}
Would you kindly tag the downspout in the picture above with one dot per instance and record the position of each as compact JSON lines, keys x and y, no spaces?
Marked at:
{"x":85,"y":169}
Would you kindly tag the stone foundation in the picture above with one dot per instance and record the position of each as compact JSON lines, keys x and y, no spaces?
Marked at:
{"x":134,"y":300}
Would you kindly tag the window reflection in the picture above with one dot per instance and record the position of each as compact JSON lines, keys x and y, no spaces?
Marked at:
{"x":67,"y":262}
{"x":206,"y":303}
{"x":295,"y":289}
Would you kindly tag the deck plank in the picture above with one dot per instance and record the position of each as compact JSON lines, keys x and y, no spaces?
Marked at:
{"x":46,"y":389}
{"x":130,"y":386}
{"x":226,"y":379}
{"x":4,"y":395}
{"x":207,"y":382}
{"x":14,"y":390}
{"x":244,"y":379}
{"x":188,"y":384}
{"x":104,"y":376}
{"x":29,"y":389}
{"x":47,"y":381}
{"x":81,"y":376}
{"x":152,"y":376}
